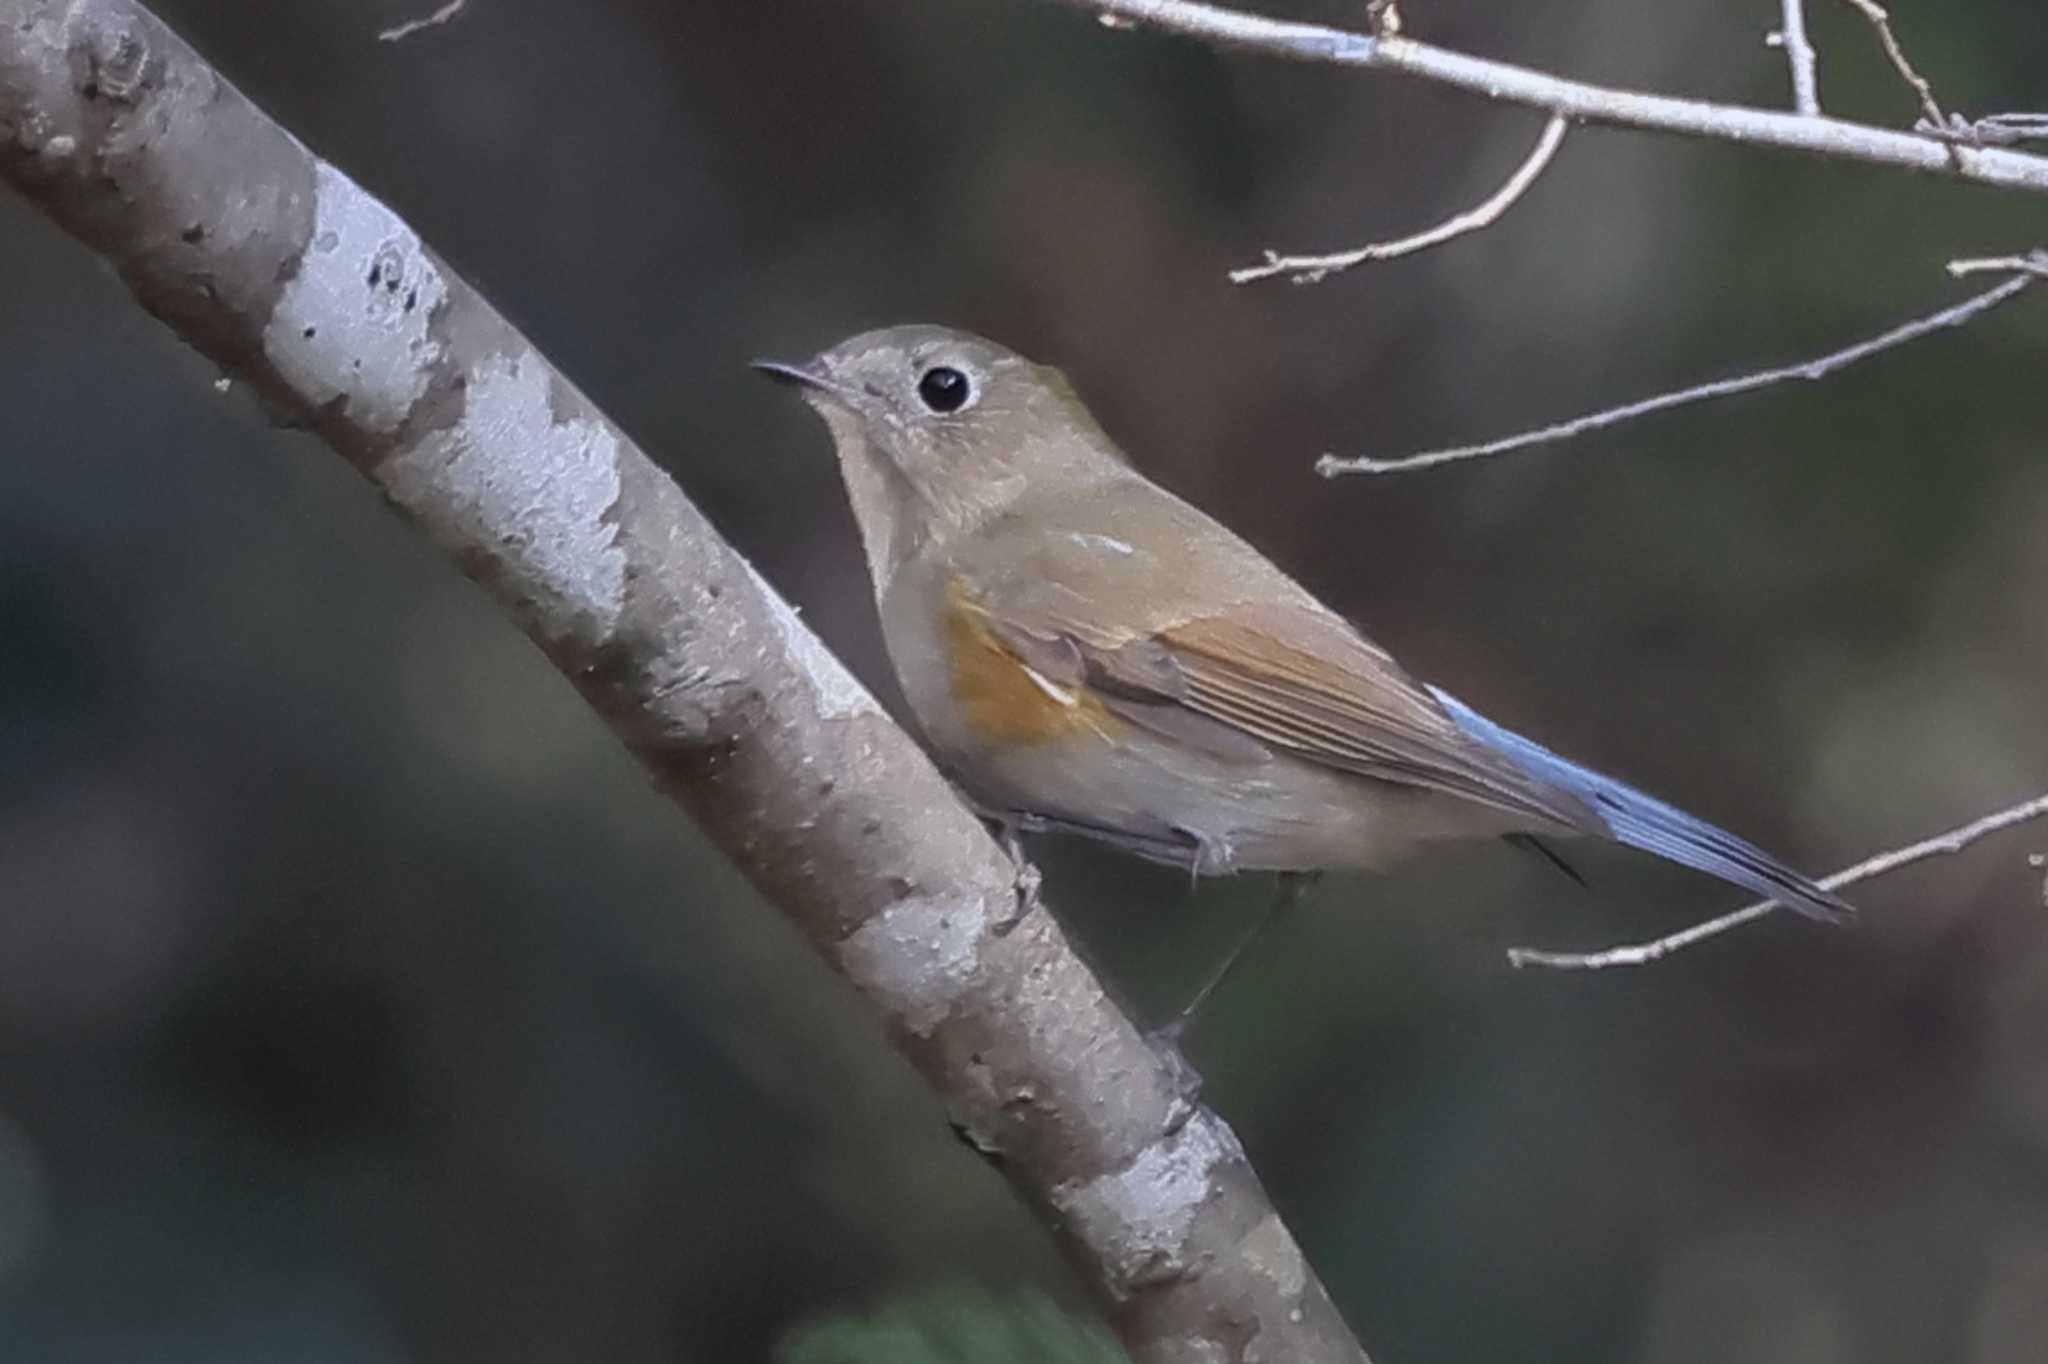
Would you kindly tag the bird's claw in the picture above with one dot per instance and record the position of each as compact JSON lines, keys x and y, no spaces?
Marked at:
{"x":1026,"y":884}
{"x":1187,"y":1081}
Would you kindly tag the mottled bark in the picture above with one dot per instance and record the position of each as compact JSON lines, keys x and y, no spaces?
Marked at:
{"x":294,"y":280}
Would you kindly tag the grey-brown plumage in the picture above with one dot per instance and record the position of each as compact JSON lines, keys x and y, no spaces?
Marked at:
{"x":1084,"y":647}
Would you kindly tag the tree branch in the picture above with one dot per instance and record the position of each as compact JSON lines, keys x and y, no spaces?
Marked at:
{"x":288,"y":275}
{"x":1314,"y":269}
{"x":1800,"y":57}
{"x":2034,"y":263}
{"x":1827,"y":137}
{"x":398,"y":33}
{"x":1992,"y":130}
{"x":1641,"y":954}
{"x":1930,"y":107}
{"x":2024,"y":269}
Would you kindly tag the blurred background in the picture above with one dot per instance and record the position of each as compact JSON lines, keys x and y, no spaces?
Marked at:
{"x":359,"y":1002}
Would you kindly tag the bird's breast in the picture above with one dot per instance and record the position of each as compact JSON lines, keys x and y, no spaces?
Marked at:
{"x":995,"y":699}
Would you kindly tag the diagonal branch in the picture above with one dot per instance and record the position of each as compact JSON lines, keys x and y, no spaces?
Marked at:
{"x":288,"y":275}
{"x":398,"y":33}
{"x":1579,"y":101}
{"x":1642,"y":954}
{"x":2025,"y":270}
{"x":1314,"y":269}
{"x":1881,"y":21}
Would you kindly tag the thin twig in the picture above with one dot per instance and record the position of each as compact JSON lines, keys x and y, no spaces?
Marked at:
{"x":400,"y":32}
{"x":1799,"y":56}
{"x":1311,"y":269}
{"x":1641,"y":954}
{"x":1992,"y":130}
{"x":1577,"y":100}
{"x":2025,"y":271}
{"x":2033,"y":263}
{"x":1882,"y":22}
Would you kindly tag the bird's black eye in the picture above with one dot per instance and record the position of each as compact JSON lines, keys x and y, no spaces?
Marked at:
{"x":944,"y":389}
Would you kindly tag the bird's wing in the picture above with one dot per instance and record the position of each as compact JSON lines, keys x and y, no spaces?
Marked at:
{"x":1308,"y":683}
{"x":1246,"y":678}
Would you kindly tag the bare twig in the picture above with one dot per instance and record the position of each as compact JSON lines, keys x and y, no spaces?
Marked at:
{"x":1992,"y":130}
{"x":2024,"y":269}
{"x":1641,"y":954}
{"x":400,"y":32}
{"x":329,"y":306}
{"x":1310,"y":269}
{"x":1791,"y":35}
{"x":1577,"y":100}
{"x":1882,"y":23}
{"x":2033,"y":263}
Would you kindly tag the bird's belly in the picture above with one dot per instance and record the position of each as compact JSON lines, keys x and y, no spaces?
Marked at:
{"x":1214,"y":814}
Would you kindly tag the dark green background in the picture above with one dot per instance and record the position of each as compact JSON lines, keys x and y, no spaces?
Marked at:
{"x":358,"y":1002}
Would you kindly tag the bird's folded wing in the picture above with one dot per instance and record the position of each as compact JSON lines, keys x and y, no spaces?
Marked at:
{"x":1290,"y":679}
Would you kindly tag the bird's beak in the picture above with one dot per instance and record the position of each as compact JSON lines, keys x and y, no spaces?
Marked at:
{"x":810,"y":375}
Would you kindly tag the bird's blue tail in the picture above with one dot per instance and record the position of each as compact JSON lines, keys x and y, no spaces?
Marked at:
{"x":1642,"y":821}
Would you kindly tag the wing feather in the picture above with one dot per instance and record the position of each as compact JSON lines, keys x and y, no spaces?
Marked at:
{"x":1346,"y":705}
{"x":1293,"y":680}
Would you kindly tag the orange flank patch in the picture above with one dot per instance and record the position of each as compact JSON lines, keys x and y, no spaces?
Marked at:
{"x":1002,"y":701}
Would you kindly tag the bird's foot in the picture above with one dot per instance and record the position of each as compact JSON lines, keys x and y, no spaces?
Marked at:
{"x":1027,"y":881}
{"x":1186,"y":1080}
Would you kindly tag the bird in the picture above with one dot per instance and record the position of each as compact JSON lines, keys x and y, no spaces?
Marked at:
{"x":1085,"y":651}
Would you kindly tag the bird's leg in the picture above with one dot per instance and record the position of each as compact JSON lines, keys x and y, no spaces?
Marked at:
{"x":1010,"y":836}
{"x":1009,"y":827}
{"x":1530,"y":843}
{"x":1286,"y":894}
{"x":1027,"y":882}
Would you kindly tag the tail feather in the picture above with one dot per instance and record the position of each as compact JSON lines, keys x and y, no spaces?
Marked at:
{"x":1642,"y":821}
